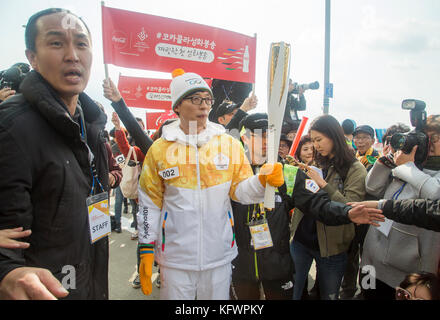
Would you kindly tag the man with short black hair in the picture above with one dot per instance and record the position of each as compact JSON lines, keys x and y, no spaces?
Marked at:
{"x":56,"y":161}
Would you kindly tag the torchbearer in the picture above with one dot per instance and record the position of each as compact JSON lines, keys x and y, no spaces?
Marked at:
{"x":185,"y":216}
{"x":279,"y":67}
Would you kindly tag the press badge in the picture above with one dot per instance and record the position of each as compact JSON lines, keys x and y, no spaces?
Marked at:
{"x":260,"y":234}
{"x":99,"y":216}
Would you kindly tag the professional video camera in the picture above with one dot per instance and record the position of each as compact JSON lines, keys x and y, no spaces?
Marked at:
{"x":406,"y":141}
{"x":306,"y":86}
{"x":294,"y":104}
{"x":13,"y":76}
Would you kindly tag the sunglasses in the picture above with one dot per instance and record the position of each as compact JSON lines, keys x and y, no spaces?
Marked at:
{"x":402,"y":294}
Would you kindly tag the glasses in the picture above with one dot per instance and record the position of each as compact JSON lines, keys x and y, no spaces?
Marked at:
{"x":402,"y":294}
{"x":198,"y":100}
{"x":362,"y":138}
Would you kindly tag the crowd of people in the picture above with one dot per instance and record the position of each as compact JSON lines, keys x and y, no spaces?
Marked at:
{"x":368,"y":218}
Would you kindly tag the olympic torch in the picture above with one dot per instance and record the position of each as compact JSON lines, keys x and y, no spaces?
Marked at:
{"x":278,"y":83}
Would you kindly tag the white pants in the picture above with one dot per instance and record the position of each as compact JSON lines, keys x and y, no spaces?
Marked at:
{"x":212,"y":284}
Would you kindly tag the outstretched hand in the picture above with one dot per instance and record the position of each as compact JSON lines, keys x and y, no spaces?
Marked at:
{"x":111,"y":92}
{"x":249,"y":103}
{"x":361,"y":214}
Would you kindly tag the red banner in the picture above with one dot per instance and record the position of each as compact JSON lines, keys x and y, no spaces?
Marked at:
{"x":142,"y":41}
{"x":147,"y":92}
{"x":155,"y":119}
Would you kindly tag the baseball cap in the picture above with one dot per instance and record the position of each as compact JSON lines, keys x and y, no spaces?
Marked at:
{"x":348,"y":126}
{"x":184,"y":84}
{"x":225,"y":108}
{"x":283,"y":137}
{"x":366,"y":129}
{"x":255,"y":121}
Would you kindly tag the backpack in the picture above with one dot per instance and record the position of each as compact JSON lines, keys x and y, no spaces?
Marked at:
{"x":130,"y":176}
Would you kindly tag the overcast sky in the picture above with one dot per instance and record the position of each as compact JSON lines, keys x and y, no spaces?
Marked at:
{"x":381,"y":51}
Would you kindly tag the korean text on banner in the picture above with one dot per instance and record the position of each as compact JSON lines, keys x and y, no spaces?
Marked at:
{"x":147,"y":93}
{"x":142,"y":41}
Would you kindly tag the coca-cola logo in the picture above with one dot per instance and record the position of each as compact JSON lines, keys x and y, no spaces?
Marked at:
{"x":119,"y":39}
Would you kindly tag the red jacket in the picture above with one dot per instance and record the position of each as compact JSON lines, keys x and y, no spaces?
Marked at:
{"x":113,"y":167}
{"x":124,"y":146}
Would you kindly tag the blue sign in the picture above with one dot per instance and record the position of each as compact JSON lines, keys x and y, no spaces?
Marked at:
{"x":329,"y":90}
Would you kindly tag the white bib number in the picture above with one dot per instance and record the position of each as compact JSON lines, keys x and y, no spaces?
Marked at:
{"x":169,"y":173}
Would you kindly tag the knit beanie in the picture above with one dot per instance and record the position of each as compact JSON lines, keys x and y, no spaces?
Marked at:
{"x":184,"y":84}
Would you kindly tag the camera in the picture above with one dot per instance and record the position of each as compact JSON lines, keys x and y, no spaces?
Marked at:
{"x":416,"y":137}
{"x":306,"y":86}
{"x":12,"y":77}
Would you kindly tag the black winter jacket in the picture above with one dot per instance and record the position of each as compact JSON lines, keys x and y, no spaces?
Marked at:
{"x":422,"y":213}
{"x":46,"y":179}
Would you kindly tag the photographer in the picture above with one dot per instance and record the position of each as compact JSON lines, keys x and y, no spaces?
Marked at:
{"x":401,"y":249}
{"x":293,"y":104}
{"x":11,"y":79}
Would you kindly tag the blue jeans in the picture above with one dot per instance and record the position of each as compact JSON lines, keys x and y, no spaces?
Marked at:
{"x":134,"y":211}
{"x":330,"y":271}
{"x":118,"y":206}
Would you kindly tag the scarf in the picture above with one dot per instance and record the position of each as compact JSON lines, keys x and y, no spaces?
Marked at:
{"x":369,"y":157}
{"x":433,"y":163}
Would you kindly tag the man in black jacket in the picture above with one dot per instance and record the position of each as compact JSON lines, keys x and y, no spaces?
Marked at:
{"x":53,"y":159}
{"x":269,"y":262}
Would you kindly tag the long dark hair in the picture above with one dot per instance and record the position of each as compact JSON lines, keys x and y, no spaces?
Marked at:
{"x":343,"y":156}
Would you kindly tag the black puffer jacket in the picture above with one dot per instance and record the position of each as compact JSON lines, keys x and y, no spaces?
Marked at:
{"x":46,"y":179}
{"x":422,"y":213}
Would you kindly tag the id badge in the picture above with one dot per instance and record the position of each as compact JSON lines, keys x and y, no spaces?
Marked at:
{"x":260,"y":233}
{"x":99,"y":216}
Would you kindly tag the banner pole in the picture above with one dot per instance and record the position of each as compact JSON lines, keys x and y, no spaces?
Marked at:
{"x":105,"y":64}
{"x":253,"y":84}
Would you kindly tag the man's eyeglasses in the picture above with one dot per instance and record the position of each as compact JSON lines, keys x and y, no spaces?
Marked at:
{"x":361,"y":138}
{"x":198,"y":100}
{"x":402,"y":294}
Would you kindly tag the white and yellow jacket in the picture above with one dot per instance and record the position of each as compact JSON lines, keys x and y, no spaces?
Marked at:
{"x":184,"y":196}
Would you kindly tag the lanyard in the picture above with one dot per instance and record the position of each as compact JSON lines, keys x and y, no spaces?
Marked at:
{"x":83,"y":133}
{"x":95,"y":178}
{"x":256,"y":213}
{"x":398,"y":192}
